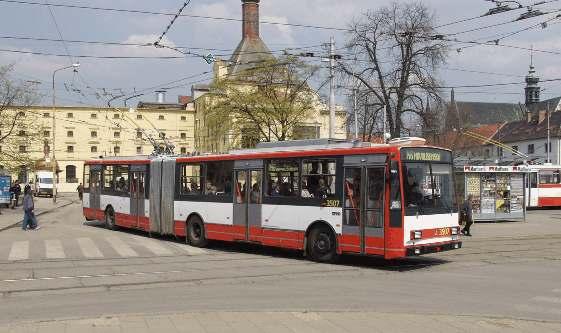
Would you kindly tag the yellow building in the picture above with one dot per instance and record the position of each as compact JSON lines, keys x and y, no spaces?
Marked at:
{"x":251,"y":53}
{"x":84,"y":133}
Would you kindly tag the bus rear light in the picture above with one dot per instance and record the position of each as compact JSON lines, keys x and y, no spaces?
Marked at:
{"x":417,"y":251}
{"x":416,"y":234}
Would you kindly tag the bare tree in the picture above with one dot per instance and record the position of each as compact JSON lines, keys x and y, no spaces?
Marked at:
{"x":265,"y":103}
{"x":19,"y":127}
{"x":396,"y":61}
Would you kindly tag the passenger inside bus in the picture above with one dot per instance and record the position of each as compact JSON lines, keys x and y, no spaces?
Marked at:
{"x":313,"y":179}
{"x":255,"y":195}
{"x":323,"y":191}
{"x":412,"y":192}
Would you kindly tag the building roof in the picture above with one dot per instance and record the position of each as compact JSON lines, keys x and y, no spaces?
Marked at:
{"x":155,"y":105}
{"x":249,"y":54}
{"x":456,"y":140}
{"x":553,"y":104}
{"x":481,"y":113}
{"x":523,"y":130}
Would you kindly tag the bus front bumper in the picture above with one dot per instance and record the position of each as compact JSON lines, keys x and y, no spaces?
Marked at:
{"x":433,"y":248}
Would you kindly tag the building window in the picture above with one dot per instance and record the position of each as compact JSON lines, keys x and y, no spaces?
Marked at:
{"x":487,"y":153}
{"x":161,"y":117}
{"x":71,"y":174}
{"x":21,"y":133}
{"x":162,"y":135}
{"x":183,"y":136}
{"x":22,"y":149}
{"x":117,"y":150}
{"x":93,"y":149}
{"x":46,"y":134}
{"x":500,"y":151}
{"x":530,"y":148}
{"x":515,"y":148}
{"x":70,"y":134}
{"x":183,"y":118}
{"x":70,"y":115}
{"x":93,"y":116}
{"x":117,"y":134}
{"x":545,"y":147}
{"x":69,"y":149}
{"x":139,"y":134}
{"x":139,"y":116}
{"x":93,"y":134}
{"x":116,"y":116}
{"x":183,"y":150}
{"x":139,"y":150}
{"x":46,"y":115}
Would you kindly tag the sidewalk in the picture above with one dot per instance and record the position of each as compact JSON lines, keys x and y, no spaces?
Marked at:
{"x":320,"y":322}
{"x":12,"y":217}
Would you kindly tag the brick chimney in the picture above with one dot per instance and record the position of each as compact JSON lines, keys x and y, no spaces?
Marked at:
{"x":250,"y":17}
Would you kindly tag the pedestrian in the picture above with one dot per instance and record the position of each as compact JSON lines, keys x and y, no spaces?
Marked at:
{"x":17,"y":191}
{"x":29,"y":219}
{"x":467,"y":215}
{"x":80,"y":190}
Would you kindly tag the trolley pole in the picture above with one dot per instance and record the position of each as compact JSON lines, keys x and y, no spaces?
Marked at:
{"x":548,"y":136}
{"x":355,"y":113}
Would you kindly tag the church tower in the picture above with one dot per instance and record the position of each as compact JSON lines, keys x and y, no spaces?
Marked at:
{"x":532,"y":85}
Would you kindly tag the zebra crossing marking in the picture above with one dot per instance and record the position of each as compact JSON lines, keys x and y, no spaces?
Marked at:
{"x":121,"y":247}
{"x":19,"y":251}
{"x":88,"y":248}
{"x":153,"y":246}
{"x":53,"y":249}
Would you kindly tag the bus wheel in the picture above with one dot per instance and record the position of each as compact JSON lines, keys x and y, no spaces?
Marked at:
{"x":110,"y":219}
{"x":322,"y":245}
{"x":196,"y":232}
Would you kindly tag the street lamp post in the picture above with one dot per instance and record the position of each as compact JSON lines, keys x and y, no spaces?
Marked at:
{"x":75,"y":67}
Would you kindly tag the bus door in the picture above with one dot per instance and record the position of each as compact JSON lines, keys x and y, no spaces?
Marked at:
{"x":95,"y":189}
{"x":532,"y":190}
{"x":248,"y":196}
{"x":137,"y":196}
{"x":363,"y":220}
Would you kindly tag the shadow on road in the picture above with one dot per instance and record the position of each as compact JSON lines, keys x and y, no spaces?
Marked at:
{"x":398,"y":265}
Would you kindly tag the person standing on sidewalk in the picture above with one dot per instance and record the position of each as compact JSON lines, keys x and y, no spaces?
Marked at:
{"x":467,"y":212}
{"x":80,"y":190}
{"x":29,"y":219}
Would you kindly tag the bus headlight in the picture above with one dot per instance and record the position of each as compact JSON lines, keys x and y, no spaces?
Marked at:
{"x":455,"y":230}
{"x":416,"y":234}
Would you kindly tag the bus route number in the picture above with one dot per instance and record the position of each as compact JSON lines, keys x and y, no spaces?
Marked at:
{"x":443,"y":232}
{"x":332,"y":203}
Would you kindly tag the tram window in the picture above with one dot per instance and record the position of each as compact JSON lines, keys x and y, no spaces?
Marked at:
{"x":86,"y":183}
{"x":318,"y":179}
{"x":121,"y":176}
{"x":108,"y":183}
{"x":218,"y":180}
{"x":549,"y":177}
{"x":190,"y":179}
{"x":283,"y":177}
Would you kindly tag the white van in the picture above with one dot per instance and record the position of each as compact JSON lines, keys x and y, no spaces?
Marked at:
{"x":44,"y":183}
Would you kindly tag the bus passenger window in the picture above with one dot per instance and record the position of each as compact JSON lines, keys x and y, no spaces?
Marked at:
{"x":121,"y":178}
{"x":283,"y":177}
{"x":318,"y":179}
{"x":190,"y":179}
{"x":219,"y":178}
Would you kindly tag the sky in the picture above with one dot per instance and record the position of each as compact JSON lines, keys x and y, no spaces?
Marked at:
{"x":98,"y":80}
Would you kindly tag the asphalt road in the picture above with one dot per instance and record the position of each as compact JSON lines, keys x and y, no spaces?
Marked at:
{"x":73,"y":270}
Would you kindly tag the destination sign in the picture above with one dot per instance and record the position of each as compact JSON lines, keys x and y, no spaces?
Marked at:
{"x":426,"y":155}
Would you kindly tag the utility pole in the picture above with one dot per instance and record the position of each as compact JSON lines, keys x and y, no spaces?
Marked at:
{"x":332,"y":88}
{"x":548,"y":136}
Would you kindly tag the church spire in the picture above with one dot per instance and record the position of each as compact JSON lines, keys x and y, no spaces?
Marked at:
{"x":532,"y":83}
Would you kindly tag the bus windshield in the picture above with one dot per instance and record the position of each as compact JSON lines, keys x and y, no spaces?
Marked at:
{"x":428,"y":188}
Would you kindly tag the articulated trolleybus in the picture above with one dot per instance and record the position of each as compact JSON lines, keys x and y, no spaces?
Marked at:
{"x":323,"y":197}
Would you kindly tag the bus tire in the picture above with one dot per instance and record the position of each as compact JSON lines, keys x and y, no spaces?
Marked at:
{"x":196,"y":232}
{"x":110,"y":219}
{"x":322,"y":245}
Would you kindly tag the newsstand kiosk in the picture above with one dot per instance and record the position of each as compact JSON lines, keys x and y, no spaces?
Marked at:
{"x":498,"y":191}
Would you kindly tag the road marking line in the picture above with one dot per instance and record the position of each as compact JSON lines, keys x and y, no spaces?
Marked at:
{"x":120,"y":247}
{"x":19,"y":251}
{"x":556,"y":300}
{"x":53,"y":249}
{"x":153,"y":246}
{"x":89,"y":249}
{"x":191,"y":250}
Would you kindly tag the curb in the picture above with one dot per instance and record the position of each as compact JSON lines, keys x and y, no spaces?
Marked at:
{"x":38,"y":214}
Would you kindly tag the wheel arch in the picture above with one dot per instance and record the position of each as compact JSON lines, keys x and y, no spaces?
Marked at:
{"x":316,"y":224}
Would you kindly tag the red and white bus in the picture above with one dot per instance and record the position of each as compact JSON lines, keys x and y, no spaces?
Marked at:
{"x":544,"y":187}
{"x":325,"y":198}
